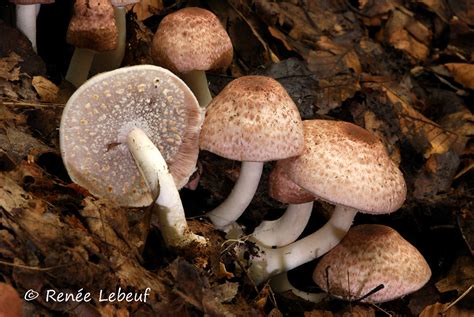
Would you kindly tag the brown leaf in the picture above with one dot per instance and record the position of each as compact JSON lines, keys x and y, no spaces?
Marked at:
{"x":460,"y":276}
{"x":45,"y":88}
{"x":427,"y":135}
{"x":8,"y":67}
{"x":436,"y":175}
{"x":462,"y":73}
{"x":408,"y":35}
{"x":147,"y":8}
{"x":442,"y":310}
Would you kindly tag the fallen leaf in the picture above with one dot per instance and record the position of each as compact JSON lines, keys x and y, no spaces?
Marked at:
{"x":408,"y":35}
{"x":462,"y":73}
{"x":147,"y":8}
{"x":45,"y":88}
{"x":441,"y":310}
{"x":8,"y":67}
{"x":460,"y":276}
{"x":466,"y":225}
{"x":426,"y":135}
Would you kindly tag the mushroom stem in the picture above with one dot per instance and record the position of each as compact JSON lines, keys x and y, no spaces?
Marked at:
{"x":286,"y":229}
{"x":26,"y":21}
{"x":197,"y":81}
{"x":109,"y":60}
{"x":79,"y":66}
{"x":154,"y":169}
{"x":239,"y":198}
{"x":281,"y":284}
{"x":270,"y":262}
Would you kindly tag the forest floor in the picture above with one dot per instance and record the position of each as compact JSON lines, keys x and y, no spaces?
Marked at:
{"x":403,"y":70}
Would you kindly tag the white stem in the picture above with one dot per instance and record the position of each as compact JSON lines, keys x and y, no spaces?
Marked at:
{"x":80,"y":65}
{"x":26,"y":21}
{"x":271,"y":262}
{"x":240,"y":197}
{"x":286,"y":229}
{"x":281,"y":284}
{"x":109,"y":60}
{"x":154,"y":169}
{"x":197,"y":81}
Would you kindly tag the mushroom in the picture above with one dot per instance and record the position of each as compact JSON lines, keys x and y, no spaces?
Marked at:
{"x":287,"y":228}
{"x":252,"y":120}
{"x":343,"y":164}
{"x":189,"y":42}
{"x":92,"y":28}
{"x":10,"y":303}
{"x":370,"y":255}
{"x":122,"y":115}
{"x":109,"y":60}
{"x":26,"y":13}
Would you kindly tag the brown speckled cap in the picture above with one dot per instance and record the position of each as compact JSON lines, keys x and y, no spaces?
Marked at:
{"x":98,"y":116}
{"x":192,"y":39}
{"x":253,"y":119}
{"x":281,"y":188}
{"x":93,"y":26}
{"x":370,"y":255}
{"x":345,"y":164}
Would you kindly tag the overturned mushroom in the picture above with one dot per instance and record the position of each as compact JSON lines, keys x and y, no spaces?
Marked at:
{"x":122,"y":115}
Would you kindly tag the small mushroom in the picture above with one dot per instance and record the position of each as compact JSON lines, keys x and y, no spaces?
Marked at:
{"x":252,"y":120}
{"x":10,"y":303}
{"x":91,"y":29}
{"x":347,"y":166}
{"x":26,"y":13}
{"x":287,"y":228}
{"x":190,"y":42}
{"x":109,"y":60}
{"x":123,"y":116}
{"x":368,"y":256}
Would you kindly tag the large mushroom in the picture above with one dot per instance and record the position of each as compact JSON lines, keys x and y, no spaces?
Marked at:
{"x":369,"y":256}
{"x":26,"y":13}
{"x":143,"y":113}
{"x":190,"y":42}
{"x":345,"y":165}
{"x":252,"y":120}
{"x":92,"y":29}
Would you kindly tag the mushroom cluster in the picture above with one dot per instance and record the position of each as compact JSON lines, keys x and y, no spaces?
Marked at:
{"x":133,"y":135}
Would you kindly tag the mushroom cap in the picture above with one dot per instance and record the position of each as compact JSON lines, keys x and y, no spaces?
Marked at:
{"x":370,"y":255}
{"x":253,"y":119}
{"x":191,"y":39}
{"x":93,"y":26}
{"x":345,"y":164}
{"x":98,"y":116}
{"x":10,"y":302}
{"x":281,"y":188}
